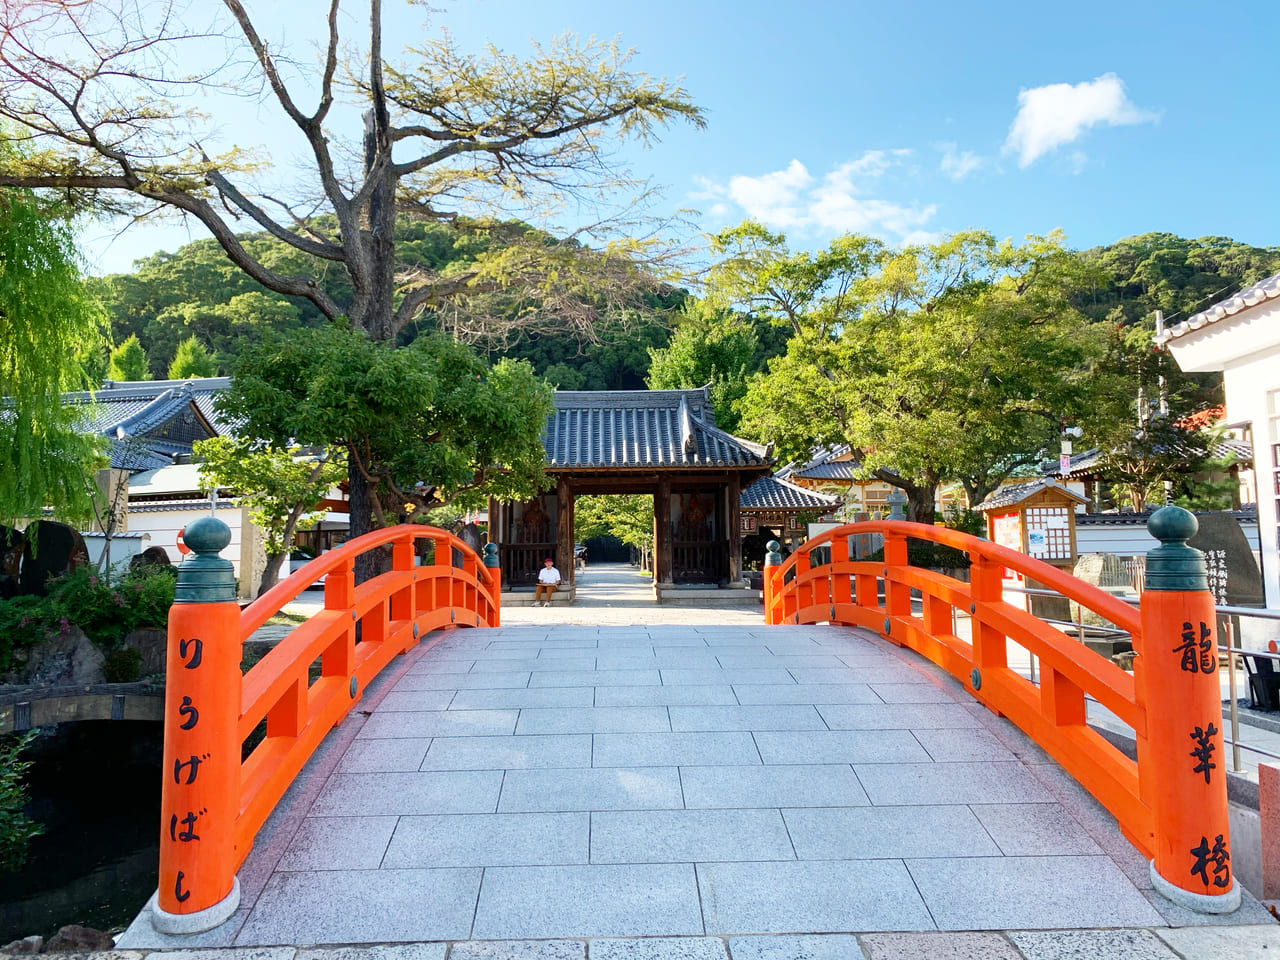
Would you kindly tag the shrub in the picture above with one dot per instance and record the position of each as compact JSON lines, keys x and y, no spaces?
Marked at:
{"x":107,"y":611}
{"x":16,"y":828}
{"x":23,"y":624}
{"x":104,"y":611}
{"x":122,"y":666}
{"x":926,"y":553}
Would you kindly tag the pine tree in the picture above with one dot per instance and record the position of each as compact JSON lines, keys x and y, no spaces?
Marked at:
{"x":129,"y":361}
{"x":193,"y":359}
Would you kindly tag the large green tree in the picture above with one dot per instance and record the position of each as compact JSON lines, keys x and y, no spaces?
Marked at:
{"x":953,"y":361}
{"x":445,"y":134}
{"x":425,"y":425}
{"x":717,"y":347}
{"x":49,"y":328}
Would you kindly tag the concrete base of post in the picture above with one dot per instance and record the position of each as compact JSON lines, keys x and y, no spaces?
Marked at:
{"x":184,"y":924}
{"x":1227,"y":902}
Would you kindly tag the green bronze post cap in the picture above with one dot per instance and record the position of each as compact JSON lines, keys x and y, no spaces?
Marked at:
{"x":491,"y":555}
{"x":204,"y":577}
{"x":774,"y":557}
{"x":1173,"y":565}
{"x":207,"y":535}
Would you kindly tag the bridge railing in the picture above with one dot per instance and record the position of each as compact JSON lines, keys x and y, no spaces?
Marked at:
{"x":1171,"y":801}
{"x":233,"y":743}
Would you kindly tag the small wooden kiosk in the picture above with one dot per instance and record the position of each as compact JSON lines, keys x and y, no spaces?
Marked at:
{"x":1037,"y":518}
{"x":660,"y":442}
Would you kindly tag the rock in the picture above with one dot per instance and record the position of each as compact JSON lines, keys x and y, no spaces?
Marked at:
{"x":78,"y":939}
{"x":25,"y":945}
{"x":151,"y":646}
{"x":69,"y":658}
{"x":1105,"y":571}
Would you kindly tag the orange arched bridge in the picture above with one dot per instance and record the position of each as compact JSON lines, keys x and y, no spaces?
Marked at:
{"x":856,"y":762}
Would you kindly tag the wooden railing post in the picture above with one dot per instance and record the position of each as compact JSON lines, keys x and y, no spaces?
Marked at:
{"x":200,"y":798}
{"x":1176,"y":673}
{"x":772,"y":582}
{"x":493,"y":568}
{"x":897,"y":595}
{"x":841,"y":585}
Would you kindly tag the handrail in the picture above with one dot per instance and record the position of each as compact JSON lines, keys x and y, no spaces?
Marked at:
{"x":223,"y":788}
{"x":1169,"y":697}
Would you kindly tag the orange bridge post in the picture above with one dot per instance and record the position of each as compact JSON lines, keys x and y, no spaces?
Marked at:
{"x":1176,"y":674}
{"x":493,"y":566}
{"x":198,"y":888}
{"x":772,"y":581}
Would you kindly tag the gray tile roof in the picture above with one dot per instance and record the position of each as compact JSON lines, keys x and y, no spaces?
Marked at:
{"x":1260,"y":292}
{"x":637,"y":429}
{"x":1084,"y":465}
{"x":823,"y":465}
{"x":1014,"y":493}
{"x":772,"y":493}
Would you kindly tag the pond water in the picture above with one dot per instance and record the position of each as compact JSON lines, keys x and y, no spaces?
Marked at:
{"x":95,"y":787}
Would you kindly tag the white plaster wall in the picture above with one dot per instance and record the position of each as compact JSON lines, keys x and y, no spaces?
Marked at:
{"x":163,"y":525}
{"x":1248,"y":381}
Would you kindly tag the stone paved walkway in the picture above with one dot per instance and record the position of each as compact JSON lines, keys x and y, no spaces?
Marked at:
{"x":695,"y":788}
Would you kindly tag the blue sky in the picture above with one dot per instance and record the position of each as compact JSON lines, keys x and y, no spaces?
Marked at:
{"x":916,"y":119}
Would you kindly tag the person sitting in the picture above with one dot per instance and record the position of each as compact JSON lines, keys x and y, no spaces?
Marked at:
{"x":548,"y":580}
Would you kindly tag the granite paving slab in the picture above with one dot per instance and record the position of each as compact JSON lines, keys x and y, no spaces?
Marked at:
{"x":866,"y":833}
{"x":814,"y":896}
{"x":751,"y":717}
{"x":376,"y":794}
{"x":439,"y":723}
{"x":381,"y":756}
{"x":1091,"y":945}
{"x":1034,"y":829}
{"x":841,"y":746}
{"x":594,"y":720}
{"x":339,"y":843}
{"x":490,"y":840}
{"x":508,"y":753}
{"x":659,"y":948}
{"x":832,"y":946}
{"x":599,"y":900}
{"x":683,"y":695}
{"x":929,"y":783}
{"x":672,"y":749}
{"x":671,"y":836}
{"x":792,"y":785}
{"x":1002,"y":893}
{"x":521,"y":697}
{"x":618,"y":788}
{"x":806,"y":693}
{"x":363,"y":906}
{"x":938,"y":946}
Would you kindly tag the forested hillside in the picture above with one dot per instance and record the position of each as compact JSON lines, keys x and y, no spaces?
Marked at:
{"x":197,"y":291}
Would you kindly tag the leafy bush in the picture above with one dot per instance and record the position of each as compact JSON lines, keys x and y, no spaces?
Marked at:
{"x":23,"y":624}
{"x":16,"y":828}
{"x":104,"y":611}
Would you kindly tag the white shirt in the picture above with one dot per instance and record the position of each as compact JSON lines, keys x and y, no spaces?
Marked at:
{"x":548,"y":575}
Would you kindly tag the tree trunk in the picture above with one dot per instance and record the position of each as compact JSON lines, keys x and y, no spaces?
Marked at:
{"x":271,"y":572}
{"x":921,"y":502}
{"x":360,"y":511}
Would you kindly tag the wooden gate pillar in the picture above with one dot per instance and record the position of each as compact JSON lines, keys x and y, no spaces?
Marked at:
{"x":564,"y":529}
{"x":662,"y":533}
{"x":734,"y":496}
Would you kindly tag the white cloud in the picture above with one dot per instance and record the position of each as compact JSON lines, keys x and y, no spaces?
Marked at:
{"x":774,"y":197}
{"x":1058,"y":113}
{"x":841,"y":201}
{"x":957,"y":164}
